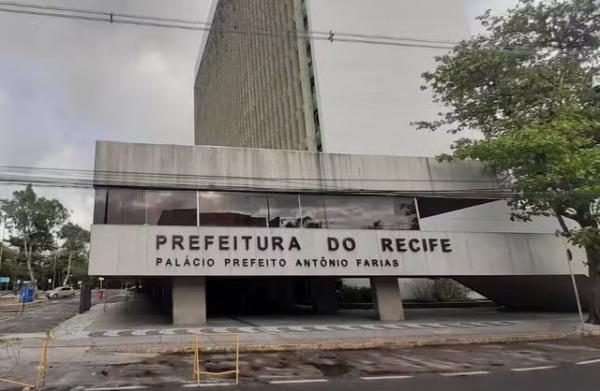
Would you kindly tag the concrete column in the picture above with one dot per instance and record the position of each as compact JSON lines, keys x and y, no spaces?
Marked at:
{"x":324,"y":294}
{"x":388,"y":302}
{"x":189,"y":301}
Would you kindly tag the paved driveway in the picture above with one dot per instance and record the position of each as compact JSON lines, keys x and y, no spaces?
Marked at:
{"x":39,"y":317}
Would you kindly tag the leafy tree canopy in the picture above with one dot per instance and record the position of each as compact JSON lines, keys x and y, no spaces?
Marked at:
{"x":525,"y":84}
{"x":33,"y":221}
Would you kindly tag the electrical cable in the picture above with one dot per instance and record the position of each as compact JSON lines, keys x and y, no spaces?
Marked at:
{"x":21,"y":175}
{"x":196,"y":25}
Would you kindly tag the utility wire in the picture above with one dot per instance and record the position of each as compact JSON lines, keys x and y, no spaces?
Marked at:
{"x":241,"y":29}
{"x":51,"y":177}
{"x":113,"y":17}
{"x":89,"y":178}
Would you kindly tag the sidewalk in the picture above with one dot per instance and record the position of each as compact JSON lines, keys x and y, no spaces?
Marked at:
{"x":126,"y":339}
{"x":131,"y":326}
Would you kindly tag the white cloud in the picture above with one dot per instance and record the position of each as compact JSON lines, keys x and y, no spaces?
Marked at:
{"x":66,"y":83}
{"x":478,"y":7}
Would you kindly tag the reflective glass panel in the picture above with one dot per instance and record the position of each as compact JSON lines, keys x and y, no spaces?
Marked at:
{"x":126,"y":206}
{"x":222,"y":209}
{"x":171,"y":207}
{"x":313,"y":211}
{"x":405,"y":214}
{"x":100,"y":206}
{"x":284,"y":210}
{"x":370,"y":212}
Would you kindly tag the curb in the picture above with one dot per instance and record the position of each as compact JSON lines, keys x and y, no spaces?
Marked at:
{"x":373,"y":343}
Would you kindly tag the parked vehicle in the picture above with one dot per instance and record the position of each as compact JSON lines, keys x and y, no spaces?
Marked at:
{"x":61,"y":292}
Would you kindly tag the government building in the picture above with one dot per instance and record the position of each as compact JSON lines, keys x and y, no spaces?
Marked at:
{"x":306,"y":173}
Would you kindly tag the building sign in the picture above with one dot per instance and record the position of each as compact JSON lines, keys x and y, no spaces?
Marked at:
{"x":215,"y":251}
{"x":274,"y":251}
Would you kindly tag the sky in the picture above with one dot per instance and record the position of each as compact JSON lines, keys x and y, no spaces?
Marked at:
{"x":66,"y":83}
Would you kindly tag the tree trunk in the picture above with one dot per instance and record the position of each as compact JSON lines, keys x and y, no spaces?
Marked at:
{"x":28,"y":256}
{"x":593,"y":254}
{"x":68,"y":275}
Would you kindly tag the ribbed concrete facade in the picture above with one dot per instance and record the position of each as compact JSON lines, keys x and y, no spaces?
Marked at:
{"x":254,"y":90}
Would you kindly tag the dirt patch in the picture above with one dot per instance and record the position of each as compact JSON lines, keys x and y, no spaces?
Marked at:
{"x":332,"y":370}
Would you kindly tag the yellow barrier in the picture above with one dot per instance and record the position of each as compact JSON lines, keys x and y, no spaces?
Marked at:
{"x":42,"y":371}
{"x":12,"y":304}
{"x":198,"y":365}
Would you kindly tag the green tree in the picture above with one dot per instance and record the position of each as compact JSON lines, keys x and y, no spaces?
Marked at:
{"x":525,"y":84}
{"x":33,"y":221}
{"x":75,"y":244}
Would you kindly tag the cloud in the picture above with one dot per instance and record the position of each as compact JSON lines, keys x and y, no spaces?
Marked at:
{"x":66,"y":83}
{"x":478,"y":7}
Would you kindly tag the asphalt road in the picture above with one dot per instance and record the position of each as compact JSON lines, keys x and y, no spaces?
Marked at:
{"x":568,"y":377}
{"x":579,"y":378}
{"x":39,"y":317}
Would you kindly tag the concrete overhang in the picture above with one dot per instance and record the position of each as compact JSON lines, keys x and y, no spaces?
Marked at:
{"x":211,"y":167}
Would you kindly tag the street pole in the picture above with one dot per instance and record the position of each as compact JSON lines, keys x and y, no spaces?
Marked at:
{"x":54,"y":272}
{"x":569,"y":260}
{"x":2,"y":241}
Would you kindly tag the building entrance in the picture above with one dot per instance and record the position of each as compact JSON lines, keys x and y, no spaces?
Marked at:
{"x":258,"y":296}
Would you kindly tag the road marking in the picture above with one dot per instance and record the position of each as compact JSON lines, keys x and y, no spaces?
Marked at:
{"x":140,"y":333}
{"x":434,"y":325}
{"x":298,"y":381}
{"x":395,"y":326}
{"x":6,"y":319}
{"x":324,"y":328}
{"x":371,"y":327}
{"x":114,"y":388}
{"x":249,"y":329}
{"x":390,"y":377}
{"x":297,"y":328}
{"x":587,"y":362}
{"x":563,"y":347}
{"x":271,"y":329}
{"x":113,"y":333}
{"x":533,"y":368}
{"x":473,"y":373}
{"x":221,"y":329}
{"x":168,"y":331}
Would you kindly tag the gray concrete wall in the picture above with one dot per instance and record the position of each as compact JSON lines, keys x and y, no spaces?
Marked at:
{"x":131,"y":250}
{"x":205,"y":167}
{"x":253,"y":90}
{"x":388,"y":302}
{"x":189,"y":301}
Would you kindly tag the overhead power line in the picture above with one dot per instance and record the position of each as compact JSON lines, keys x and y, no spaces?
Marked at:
{"x":73,"y":178}
{"x":198,"y":25}
{"x":19,"y":175}
{"x":266,"y":31}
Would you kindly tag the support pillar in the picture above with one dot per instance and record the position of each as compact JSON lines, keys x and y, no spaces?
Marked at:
{"x":324,"y":294}
{"x":386,"y":295}
{"x":189,"y":301}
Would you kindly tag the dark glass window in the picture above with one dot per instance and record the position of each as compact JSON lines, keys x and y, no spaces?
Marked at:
{"x":126,"y":206}
{"x":370,"y":212}
{"x":223,"y":209}
{"x":284,"y":210}
{"x":171,"y":207}
{"x":100,"y":206}
{"x":435,"y":206}
{"x":405,"y":214}
{"x":313,"y":211}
